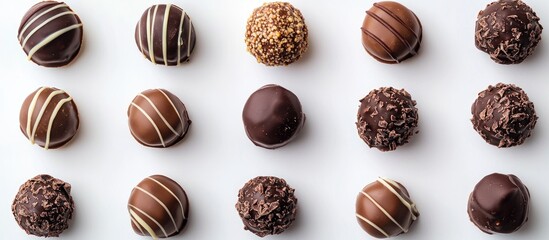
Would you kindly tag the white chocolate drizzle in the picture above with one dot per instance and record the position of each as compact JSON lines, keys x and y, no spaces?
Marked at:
{"x":159,"y":114}
{"x":164,"y":34}
{"x":52,"y":117}
{"x":173,"y":194}
{"x":179,"y":40}
{"x":410,"y":205}
{"x":143,"y":223}
{"x":27,"y":25}
{"x":174,"y":108}
{"x":32,"y":106}
{"x":43,"y":24}
{"x":160,"y":203}
{"x":152,"y":123}
{"x":372,"y":224}
{"x":52,"y":37}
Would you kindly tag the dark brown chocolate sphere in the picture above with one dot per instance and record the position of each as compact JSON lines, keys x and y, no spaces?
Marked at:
{"x":499,"y":204}
{"x":508,"y":30}
{"x":165,"y":35}
{"x":384,"y":209}
{"x":386,"y":118}
{"x":503,"y":115}
{"x":276,"y":34}
{"x":272,"y":116}
{"x":267,"y":206}
{"x":157,"y":118}
{"x":158,"y":207}
{"x":49,"y":118}
{"x":51,"y":34}
{"x":391,"y":33}
{"x":43,"y":206}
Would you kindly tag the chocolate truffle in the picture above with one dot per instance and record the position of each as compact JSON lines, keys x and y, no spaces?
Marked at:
{"x":508,"y":30}
{"x":49,"y":117}
{"x":384,"y":209}
{"x":391,"y":33}
{"x":165,"y":35}
{"x":272,"y":116}
{"x":267,"y":206}
{"x":158,"y":207}
{"x":43,"y":206}
{"x":276,"y":34}
{"x":157,"y":118}
{"x":503,"y":115}
{"x":51,"y":34}
{"x":499,"y":204}
{"x":386,"y":118}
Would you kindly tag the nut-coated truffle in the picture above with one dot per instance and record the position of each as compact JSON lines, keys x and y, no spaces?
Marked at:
{"x":267,"y":206}
{"x":503,"y":115}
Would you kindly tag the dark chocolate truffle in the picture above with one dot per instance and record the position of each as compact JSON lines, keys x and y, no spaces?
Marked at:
{"x":503,"y":115}
{"x":272,"y":116}
{"x":49,"y":117}
{"x":158,"y":207}
{"x":51,"y":34}
{"x":157,"y":118}
{"x":276,"y":34}
{"x":387,"y":117}
{"x":267,"y":206}
{"x":499,"y":204}
{"x":508,"y":30}
{"x":43,"y":206}
{"x":384,"y":209}
{"x":391,"y":33}
{"x":165,"y":35}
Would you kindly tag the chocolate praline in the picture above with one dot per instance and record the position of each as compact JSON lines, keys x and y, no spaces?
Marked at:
{"x":165,"y":35}
{"x":387,"y":118}
{"x":384,"y":209}
{"x":43,"y":206}
{"x":503,"y":115}
{"x":508,"y":30}
{"x":499,"y":203}
{"x":51,"y":34}
{"x":267,"y":205}
{"x":391,"y":33}
{"x":272,"y":116}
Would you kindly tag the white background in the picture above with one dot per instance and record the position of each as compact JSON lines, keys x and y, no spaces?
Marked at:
{"x":328,"y":164}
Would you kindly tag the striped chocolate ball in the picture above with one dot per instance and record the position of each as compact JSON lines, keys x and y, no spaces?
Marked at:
{"x":165,"y":35}
{"x":51,"y":34}
{"x":157,"y":118}
{"x":158,"y":207}
{"x":49,"y":117}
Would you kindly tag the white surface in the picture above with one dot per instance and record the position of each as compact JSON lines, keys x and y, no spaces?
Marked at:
{"x":328,"y":164}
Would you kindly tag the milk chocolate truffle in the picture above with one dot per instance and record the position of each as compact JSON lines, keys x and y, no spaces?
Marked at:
{"x":391,"y":33}
{"x":51,"y":34}
{"x":384,"y":209}
{"x":503,"y":115}
{"x":49,"y":117}
{"x":165,"y":35}
{"x":158,"y":207}
{"x":272,"y":116}
{"x":508,"y":30}
{"x":499,"y":204}
{"x":386,"y":118}
{"x":157,"y":118}
{"x":276,"y":34}
{"x":267,"y":206}
{"x":43,"y":206}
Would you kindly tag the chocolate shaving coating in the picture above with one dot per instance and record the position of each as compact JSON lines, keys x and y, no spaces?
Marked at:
{"x":387,"y":117}
{"x":508,"y":30}
{"x":503,"y":115}
{"x":43,"y":206}
{"x":267,"y":205}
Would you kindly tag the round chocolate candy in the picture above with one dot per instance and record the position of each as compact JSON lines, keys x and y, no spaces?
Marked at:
{"x":267,"y":205}
{"x":51,"y":34}
{"x":276,"y":34}
{"x":508,"y":30}
{"x":165,"y":35}
{"x":272,"y":116}
{"x":157,"y":118}
{"x":158,"y":207}
{"x":386,"y":118}
{"x":43,"y":206}
{"x":503,"y":115}
{"x":391,"y":33}
{"x":49,"y":118}
{"x":499,"y":204}
{"x":384,"y":209}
